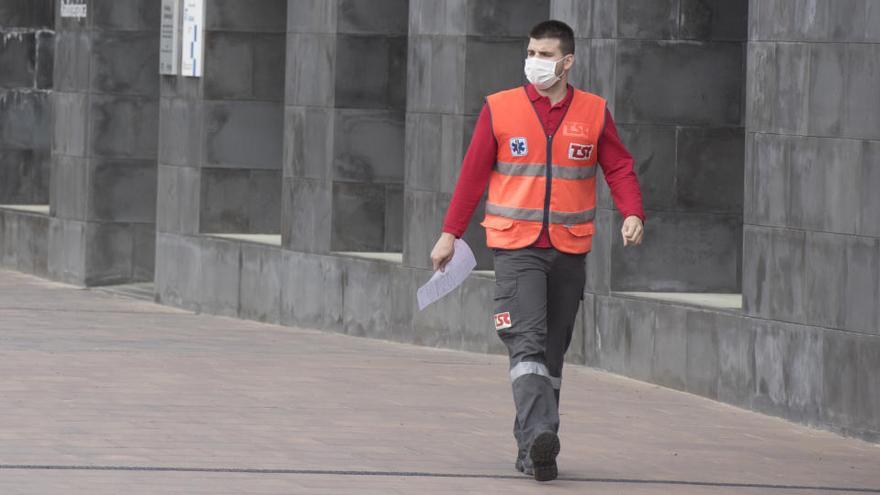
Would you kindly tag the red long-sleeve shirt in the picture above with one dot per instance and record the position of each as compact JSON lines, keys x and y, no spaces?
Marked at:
{"x":615,"y":160}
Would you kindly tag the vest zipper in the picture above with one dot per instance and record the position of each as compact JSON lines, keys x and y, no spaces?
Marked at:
{"x":549,"y":175}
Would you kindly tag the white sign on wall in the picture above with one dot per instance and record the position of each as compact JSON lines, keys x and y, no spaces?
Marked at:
{"x":73,"y":8}
{"x":193,"y":38}
{"x":169,"y":38}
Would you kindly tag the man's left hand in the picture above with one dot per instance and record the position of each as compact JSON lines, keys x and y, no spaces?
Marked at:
{"x":632,"y":230}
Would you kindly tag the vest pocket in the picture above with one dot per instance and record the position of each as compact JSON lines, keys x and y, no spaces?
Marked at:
{"x":497,"y":223}
{"x":581,"y":229}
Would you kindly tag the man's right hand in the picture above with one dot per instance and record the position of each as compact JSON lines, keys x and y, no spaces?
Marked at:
{"x":443,"y":251}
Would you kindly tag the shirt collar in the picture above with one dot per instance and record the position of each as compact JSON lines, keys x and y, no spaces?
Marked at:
{"x":535,"y":96}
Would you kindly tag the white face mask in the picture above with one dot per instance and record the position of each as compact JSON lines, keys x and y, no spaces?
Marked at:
{"x":541,"y":72}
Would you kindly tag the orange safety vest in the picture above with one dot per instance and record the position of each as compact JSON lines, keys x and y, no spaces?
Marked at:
{"x":540,"y":178}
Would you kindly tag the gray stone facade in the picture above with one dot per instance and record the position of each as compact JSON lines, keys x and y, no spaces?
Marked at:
{"x":104,"y":144}
{"x":322,"y":127}
{"x":27,"y":45}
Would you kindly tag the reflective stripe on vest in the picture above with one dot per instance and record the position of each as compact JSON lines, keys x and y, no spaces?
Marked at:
{"x":536,"y":170}
{"x":535,"y":215}
{"x":539,"y":179}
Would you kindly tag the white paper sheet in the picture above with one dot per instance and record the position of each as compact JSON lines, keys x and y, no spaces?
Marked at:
{"x":455,"y":272}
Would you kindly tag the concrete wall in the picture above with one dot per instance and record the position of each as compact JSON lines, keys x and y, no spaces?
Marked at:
{"x":104,"y":142}
{"x":242,"y":91}
{"x":673,"y":72}
{"x":812,"y":234}
{"x":344,"y":125}
{"x":27,"y":47}
{"x":220,"y":143}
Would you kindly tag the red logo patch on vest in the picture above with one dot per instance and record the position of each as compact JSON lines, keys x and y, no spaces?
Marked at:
{"x":580,"y":151}
{"x":502,"y":321}
{"x":575,"y":129}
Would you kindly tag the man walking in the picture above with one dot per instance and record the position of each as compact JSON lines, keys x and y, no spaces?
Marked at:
{"x":537,"y":148}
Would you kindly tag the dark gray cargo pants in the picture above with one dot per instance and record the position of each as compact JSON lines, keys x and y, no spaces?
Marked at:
{"x":537,"y":295}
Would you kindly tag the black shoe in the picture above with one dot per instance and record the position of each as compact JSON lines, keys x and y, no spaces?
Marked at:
{"x":542,"y":453}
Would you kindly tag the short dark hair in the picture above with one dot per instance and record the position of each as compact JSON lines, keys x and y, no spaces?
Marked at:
{"x":555,"y":29}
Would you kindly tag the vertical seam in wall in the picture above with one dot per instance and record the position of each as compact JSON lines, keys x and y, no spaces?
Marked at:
{"x":675,"y":167}
{"x":88,"y":136}
{"x":808,"y":90}
{"x":240,"y":275}
{"x":678,"y":20}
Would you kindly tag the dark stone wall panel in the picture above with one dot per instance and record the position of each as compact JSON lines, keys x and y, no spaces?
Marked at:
{"x":648,"y":19}
{"x":180,"y":132}
{"x":240,"y":200}
{"x":24,"y":242}
{"x":109,"y":250}
{"x":124,"y":63}
{"x":69,"y":123}
{"x":381,"y":17}
{"x":654,"y":150}
{"x":669,"y":364}
{"x":262,"y":273}
{"x":244,"y":66}
{"x":67,"y":250}
{"x":113,"y":15}
{"x":127,"y":190}
{"x":685,"y":252}
{"x":69,"y":187}
{"x":312,"y":291}
{"x":26,"y":13}
{"x":371,"y":72}
{"x":714,"y":19}
{"x":423,"y":221}
{"x":788,"y":370}
{"x":45,"y":60}
{"x":17,"y":58}
{"x":234,"y":15}
{"x":504,"y":17}
{"x":72,"y":55}
{"x":25,"y":118}
{"x":243,"y":134}
{"x":433,"y":151}
{"x":709,"y":170}
{"x":710,"y":73}
{"x":393,"y":218}
{"x":483,"y":78}
{"x":774,"y":284}
{"x":427,"y":17}
{"x":358,"y":156}
{"x":308,"y":142}
{"x":307,"y":205}
{"x":123,"y":126}
{"x":436,"y":70}
{"x":358,"y":217}
{"x":310,"y":69}
{"x":24,"y":177}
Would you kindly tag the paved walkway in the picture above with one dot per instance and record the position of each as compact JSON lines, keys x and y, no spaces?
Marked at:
{"x":106,"y":395}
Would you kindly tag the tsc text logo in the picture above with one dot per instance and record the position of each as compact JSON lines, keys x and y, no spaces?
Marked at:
{"x":502,"y":321}
{"x":580,"y":151}
{"x":575,"y":129}
{"x":519,"y":146}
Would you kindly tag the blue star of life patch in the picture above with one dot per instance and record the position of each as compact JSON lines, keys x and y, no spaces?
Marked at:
{"x":519,"y":146}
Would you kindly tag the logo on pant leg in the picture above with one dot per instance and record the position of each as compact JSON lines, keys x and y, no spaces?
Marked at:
{"x":502,"y":321}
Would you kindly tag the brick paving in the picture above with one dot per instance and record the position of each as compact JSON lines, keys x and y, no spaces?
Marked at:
{"x":103,"y":395}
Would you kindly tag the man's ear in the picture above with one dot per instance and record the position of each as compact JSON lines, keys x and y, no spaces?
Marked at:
{"x":569,"y":61}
